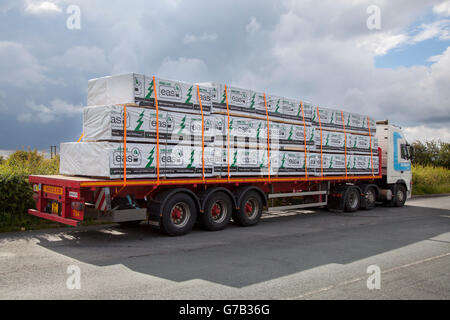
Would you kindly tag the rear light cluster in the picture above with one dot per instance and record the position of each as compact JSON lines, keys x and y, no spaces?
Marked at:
{"x":77,"y":205}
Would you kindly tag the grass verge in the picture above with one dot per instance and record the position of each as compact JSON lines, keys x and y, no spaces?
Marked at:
{"x":430,"y":180}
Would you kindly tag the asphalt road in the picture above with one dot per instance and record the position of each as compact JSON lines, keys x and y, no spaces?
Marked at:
{"x":297,"y":255}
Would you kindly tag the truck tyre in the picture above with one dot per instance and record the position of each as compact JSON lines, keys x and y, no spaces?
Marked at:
{"x":217,"y":212}
{"x":369,"y":198}
{"x":352,"y":200}
{"x":178,"y":215}
{"x":400,"y":195}
{"x":250,"y":209}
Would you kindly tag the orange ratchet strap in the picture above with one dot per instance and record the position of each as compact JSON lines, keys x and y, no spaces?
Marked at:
{"x":228,"y":133}
{"x":321,"y":156}
{"x":157,"y":131}
{"x":124,"y":152}
{"x":304,"y":140}
{"x":203,"y":134}
{"x":81,"y":137}
{"x":124,"y":145}
{"x":370,"y":145}
{"x":345,"y":142}
{"x":268,"y":137}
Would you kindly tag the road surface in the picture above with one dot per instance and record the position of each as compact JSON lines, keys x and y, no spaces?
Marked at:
{"x":289,"y":255}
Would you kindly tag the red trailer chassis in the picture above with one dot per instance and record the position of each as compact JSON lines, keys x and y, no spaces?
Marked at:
{"x":63,"y":198}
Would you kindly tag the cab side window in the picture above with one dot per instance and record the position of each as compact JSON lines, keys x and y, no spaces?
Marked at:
{"x":404,"y":152}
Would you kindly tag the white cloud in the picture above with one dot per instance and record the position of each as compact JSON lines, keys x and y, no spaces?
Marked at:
{"x":319,"y":51}
{"x":381,"y":43}
{"x":190,"y":38}
{"x":186,"y":69}
{"x":40,"y":113}
{"x":19,"y":68}
{"x":442,"y":8}
{"x":425,"y":133}
{"x":336,"y":73}
{"x":434,"y":58}
{"x":2,"y":100}
{"x":39,"y":7}
{"x":82,"y":59}
{"x":438,"y":29}
{"x":253,"y":26}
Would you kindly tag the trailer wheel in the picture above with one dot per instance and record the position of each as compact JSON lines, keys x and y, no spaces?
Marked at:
{"x":400,"y":196}
{"x":178,"y":215}
{"x":217,"y":212}
{"x":369,"y":198}
{"x":352,"y":200}
{"x":250,"y":209}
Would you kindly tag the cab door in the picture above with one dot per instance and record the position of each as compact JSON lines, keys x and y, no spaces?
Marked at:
{"x":401,"y":159}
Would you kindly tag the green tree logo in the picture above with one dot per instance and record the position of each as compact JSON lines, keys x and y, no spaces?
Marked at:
{"x":191,"y":160}
{"x":252,"y":102}
{"x":182,"y":125}
{"x":189,"y":95}
{"x":150,"y":90}
{"x":258,"y":131}
{"x":277,"y":106}
{"x":140,"y":122}
{"x":234,"y":159}
{"x":150,"y":159}
{"x":224,"y":98}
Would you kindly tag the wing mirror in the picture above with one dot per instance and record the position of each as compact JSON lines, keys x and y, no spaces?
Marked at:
{"x":410,"y":152}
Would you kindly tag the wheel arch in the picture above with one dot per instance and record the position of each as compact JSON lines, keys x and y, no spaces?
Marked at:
{"x":402,"y":182}
{"x":163,"y":196}
{"x":240,"y":193}
{"x":364,"y":187}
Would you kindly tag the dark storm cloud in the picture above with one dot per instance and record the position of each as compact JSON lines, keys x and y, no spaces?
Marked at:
{"x":304,"y":49}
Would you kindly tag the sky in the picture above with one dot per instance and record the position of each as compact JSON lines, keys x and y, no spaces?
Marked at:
{"x":387,"y":59}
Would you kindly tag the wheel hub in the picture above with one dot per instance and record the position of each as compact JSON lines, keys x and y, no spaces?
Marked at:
{"x":248,"y":208}
{"x":177,"y":214}
{"x":215,"y":210}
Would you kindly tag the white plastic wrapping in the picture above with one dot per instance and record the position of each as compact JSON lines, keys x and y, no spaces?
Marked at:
{"x":105,"y":123}
{"x":332,"y":119}
{"x":336,"y":141}
{"x":105,"y":159}
{"x":173,"y":95}
{"x":334,"y":164}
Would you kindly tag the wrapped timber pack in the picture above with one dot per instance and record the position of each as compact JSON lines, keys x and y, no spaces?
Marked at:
{"x":132,"y":88}
{"x":106,"y":159}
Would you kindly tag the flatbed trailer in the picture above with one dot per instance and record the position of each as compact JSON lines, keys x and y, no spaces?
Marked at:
{"x":174,"y":205}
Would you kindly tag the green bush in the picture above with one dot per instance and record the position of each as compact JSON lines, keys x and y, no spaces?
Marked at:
{"x":29,"y":162}
{"x":16,"y":195}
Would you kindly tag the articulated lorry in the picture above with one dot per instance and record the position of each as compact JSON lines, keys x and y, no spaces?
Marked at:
{"x":174,"y":205}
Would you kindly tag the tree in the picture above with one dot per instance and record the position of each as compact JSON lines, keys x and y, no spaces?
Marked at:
{"x":444,"y":155}
{"x":432,"y":153}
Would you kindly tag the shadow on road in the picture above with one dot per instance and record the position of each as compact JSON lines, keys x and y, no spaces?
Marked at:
{"x":240,"y":257}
